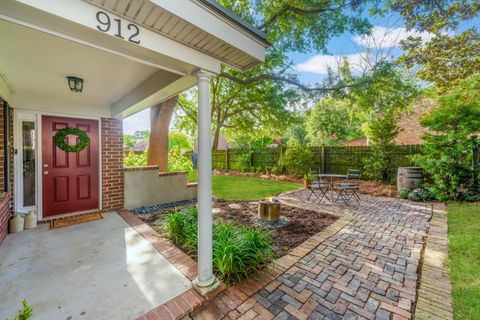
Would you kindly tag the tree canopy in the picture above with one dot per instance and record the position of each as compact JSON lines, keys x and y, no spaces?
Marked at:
{"x":261,"y":100}
{"x":452,"y":54}
{"x":331,"y":122}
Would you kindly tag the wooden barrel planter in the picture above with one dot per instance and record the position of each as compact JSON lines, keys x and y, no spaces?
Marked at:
{"x":269,"y":210}
{"x":409,"y":178}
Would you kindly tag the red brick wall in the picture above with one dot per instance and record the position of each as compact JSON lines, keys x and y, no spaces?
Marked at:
{"x":2,"y":151}
{"x":4,"y":215}
{"x":112,"y":164}
{"x":5,"y":198}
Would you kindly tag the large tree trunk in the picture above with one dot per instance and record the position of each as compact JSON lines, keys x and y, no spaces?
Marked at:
{"x":160,"y":117}
{"x":216,"y":138}
{"x":216,"y":135}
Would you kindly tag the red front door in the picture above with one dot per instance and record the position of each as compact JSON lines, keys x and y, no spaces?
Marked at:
{"x":70,"y":179}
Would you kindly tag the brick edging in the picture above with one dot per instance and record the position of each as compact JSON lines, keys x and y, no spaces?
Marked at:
{"x":434,"y":299}
{"x":184,"y":303}
{"x":237,"y":301}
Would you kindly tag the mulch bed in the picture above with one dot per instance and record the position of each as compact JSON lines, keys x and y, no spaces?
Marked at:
{"x":302,"y":224}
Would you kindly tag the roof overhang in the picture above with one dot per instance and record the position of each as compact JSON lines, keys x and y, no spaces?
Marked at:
{"x":199,"y":25}
{"x":176,"y":38}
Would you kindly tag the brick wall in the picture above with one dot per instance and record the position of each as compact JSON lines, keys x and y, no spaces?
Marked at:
{"x":4,"y":215}
{"x":5,"y":198}
{"x":112,"y":164}
{"x":2,"y":151}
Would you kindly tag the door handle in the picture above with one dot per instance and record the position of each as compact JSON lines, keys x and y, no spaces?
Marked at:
{"x":45,"y":173}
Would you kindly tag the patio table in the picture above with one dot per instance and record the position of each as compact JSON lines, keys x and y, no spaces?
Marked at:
{"x":331,"y":177}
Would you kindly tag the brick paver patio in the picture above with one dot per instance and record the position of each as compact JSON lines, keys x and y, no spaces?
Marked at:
{"x":365,"y":266}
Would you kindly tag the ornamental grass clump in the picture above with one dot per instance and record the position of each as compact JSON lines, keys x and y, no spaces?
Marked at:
{"x":238,"y":251}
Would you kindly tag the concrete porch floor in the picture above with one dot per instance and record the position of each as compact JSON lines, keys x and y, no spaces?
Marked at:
{"x":97,"y":270}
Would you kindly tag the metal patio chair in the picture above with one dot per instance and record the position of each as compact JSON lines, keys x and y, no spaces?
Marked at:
{"x":349,"y":188}
{"x":320,"y":186}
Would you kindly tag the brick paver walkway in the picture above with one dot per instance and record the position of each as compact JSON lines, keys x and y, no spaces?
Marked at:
{"x":365,"y":266}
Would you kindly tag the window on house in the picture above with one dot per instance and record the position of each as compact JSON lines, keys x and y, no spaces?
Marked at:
{"x":28,"y":152}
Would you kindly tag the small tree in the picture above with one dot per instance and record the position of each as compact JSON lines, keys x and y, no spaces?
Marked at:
{"x":382,"y":132}
{"x":447,"y":158}
{"x":387,"y":94}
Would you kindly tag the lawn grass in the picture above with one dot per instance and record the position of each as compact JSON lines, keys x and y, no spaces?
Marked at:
{"x":245,"y":188}
{"x":464,"y":259}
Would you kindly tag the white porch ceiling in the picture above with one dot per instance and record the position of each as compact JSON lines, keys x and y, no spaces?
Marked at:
{"x":35,"y":66}
{"x":154,"y":17}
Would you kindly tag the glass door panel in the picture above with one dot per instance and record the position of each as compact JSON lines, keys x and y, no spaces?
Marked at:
{"x":28,"y":155}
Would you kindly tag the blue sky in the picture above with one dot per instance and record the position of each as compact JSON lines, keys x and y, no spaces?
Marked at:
{"x":311,"y":67}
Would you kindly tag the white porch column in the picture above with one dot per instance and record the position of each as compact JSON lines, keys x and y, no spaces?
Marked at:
{"x":205,"y":276}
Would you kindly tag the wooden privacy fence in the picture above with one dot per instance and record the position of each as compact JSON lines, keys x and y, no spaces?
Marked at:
{"x":326,"y":159}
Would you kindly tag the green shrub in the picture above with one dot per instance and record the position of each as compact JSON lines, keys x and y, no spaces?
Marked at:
{"x":135,"y":160}
{"x":404,"y":193}
{"x":276,"y":169}
{"x":419,"y":194}
{"x":178,"y":161}
{"x":238,"y":251}
{"x":471,"y":197}
{"x":446,"y":159}
{"x":244,"y":162}
{"x":297,"y":160}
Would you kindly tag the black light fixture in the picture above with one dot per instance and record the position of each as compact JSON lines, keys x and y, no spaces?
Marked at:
{"x":75,"y":84}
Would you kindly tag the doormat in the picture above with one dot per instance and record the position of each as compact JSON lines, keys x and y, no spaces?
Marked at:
{"x":70,"y":221}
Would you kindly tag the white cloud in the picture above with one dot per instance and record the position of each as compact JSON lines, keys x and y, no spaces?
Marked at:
{"x":321,"y":63}
{"x":384,"y":38}
{"x":380,"y":41}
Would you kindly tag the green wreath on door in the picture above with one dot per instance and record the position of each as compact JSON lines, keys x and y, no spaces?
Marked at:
{"x":82,"y":137}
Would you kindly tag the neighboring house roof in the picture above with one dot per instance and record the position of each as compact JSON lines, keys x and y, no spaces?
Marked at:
{"x":411,"y":129}
{"x":222,"y":143}
{"x":140,"y":146}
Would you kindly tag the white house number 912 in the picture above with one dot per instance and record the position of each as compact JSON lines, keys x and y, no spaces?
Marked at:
{"x":105,"y":23}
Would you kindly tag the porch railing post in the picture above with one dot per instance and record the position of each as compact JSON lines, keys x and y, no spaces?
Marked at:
{"x":205,"y":276}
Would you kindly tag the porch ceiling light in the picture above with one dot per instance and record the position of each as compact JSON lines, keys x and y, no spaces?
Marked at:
{"x":75,"y":84}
